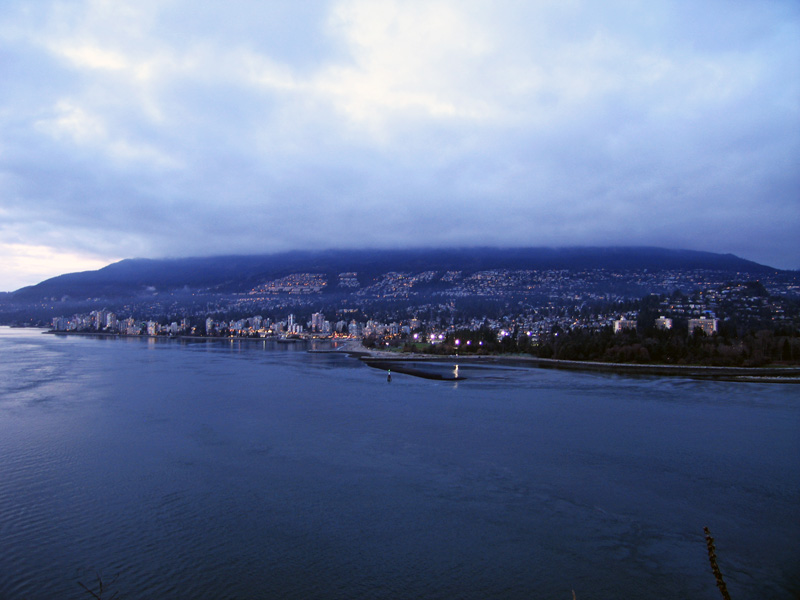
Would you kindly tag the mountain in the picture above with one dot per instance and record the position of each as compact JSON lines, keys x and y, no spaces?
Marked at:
{"x":227,"y":274}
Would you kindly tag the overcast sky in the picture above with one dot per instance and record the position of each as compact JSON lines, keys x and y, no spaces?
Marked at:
{"x":156,"y":128}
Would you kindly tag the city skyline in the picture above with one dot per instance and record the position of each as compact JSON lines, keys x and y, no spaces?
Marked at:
{"x":154,"y":129}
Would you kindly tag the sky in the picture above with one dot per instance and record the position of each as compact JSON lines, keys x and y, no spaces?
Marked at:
{"x":167,"y":128}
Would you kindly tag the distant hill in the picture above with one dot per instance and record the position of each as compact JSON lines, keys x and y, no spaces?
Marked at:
{"x":225,"y":274}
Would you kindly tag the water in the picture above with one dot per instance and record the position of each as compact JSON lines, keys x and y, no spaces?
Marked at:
{"x":255,"y":470}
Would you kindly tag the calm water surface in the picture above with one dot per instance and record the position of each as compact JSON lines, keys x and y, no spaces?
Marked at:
{"x":255,"y":470}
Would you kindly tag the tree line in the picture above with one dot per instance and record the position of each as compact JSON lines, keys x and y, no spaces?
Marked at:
{"x":652,"y":346}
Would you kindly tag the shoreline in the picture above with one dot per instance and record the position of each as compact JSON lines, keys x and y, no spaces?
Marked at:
{"x":755,"y":374}
{"x":282,"y":340}
{"x":789,"y":374}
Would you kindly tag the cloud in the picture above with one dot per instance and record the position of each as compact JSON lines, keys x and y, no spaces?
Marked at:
{"x":25,"y":264}
{"x":170,"y":128}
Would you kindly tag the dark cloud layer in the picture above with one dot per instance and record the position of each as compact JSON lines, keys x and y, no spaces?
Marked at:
{"x":165,"y":129}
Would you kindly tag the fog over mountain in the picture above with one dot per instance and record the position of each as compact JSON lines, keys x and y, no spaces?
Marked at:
{"x":241,"y":273}
{"x":155,"y":128}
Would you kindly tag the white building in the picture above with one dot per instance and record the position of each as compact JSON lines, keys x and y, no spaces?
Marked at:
{"x":623,"y":324}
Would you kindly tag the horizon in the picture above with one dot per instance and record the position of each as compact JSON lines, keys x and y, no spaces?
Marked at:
{"x":156,"y":129}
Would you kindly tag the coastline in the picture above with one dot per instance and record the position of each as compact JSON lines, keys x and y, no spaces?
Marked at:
{"x":378,"y":358}
{"x":192,"y":337}
{"x":753,"y":374}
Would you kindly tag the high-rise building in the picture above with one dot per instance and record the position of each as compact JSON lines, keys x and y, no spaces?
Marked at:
{"x":355,"y":329}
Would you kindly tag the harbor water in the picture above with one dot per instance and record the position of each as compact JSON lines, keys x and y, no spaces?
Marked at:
{"x":249,"y":469}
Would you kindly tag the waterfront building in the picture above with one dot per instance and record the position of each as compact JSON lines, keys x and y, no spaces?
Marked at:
{"x":355,"y":329}
{"x":60,"y":323}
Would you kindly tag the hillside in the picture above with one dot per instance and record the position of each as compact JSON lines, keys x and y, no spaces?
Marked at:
{"x":231,"y":274}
